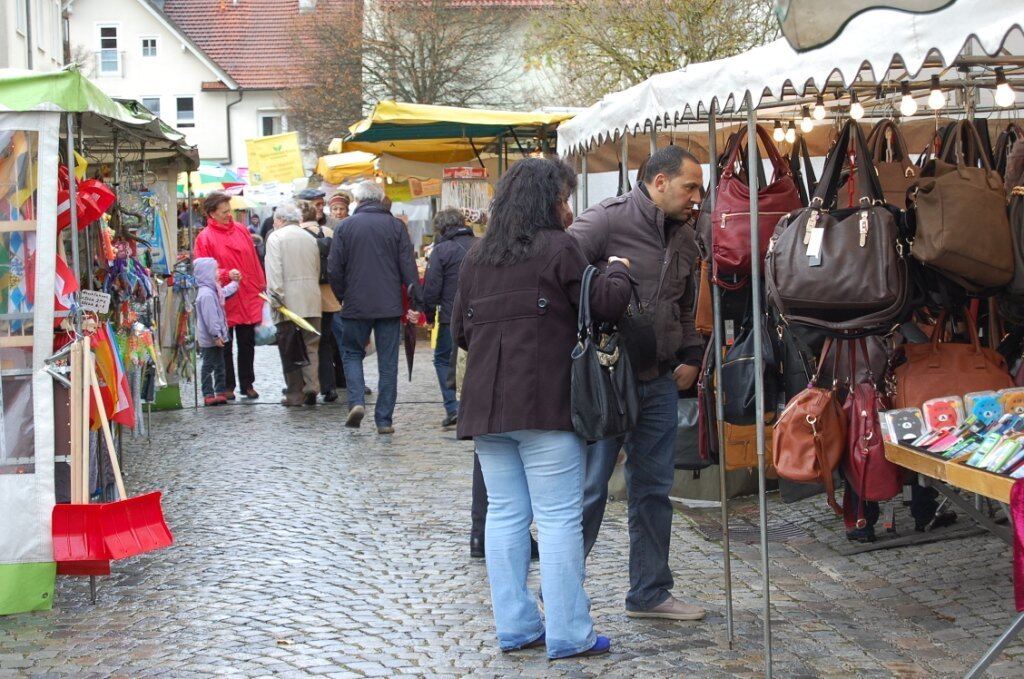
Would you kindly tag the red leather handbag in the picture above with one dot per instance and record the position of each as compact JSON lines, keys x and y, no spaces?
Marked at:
{"x":730,"y":222}
{"x":871,"y":475}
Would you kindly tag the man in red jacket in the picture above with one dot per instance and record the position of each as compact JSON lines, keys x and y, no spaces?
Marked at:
{"x":230,"y":244}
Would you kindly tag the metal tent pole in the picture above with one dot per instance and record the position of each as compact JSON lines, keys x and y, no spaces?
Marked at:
{"x":718,"y":341}
{"x":654,"y":140}
{"x":624,"y":179}
{"x":586,"y":183}
{"x":73,"y":197}
{"x":753,"y":163}
{"x":191,"y":316}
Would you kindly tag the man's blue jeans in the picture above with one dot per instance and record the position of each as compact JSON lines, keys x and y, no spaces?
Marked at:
{"x":650,"y":470}
{"x":536,"y":475}
{"x":352,"y":335}
{"x":442,"y":364}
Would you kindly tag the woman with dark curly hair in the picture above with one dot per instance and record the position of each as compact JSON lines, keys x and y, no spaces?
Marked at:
{"x":515,"y":314}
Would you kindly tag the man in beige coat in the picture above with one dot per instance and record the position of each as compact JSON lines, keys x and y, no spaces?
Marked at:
{"x":293,"y":275}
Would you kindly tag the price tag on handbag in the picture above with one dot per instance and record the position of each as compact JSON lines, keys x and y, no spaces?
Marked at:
{"x":814,"y":246}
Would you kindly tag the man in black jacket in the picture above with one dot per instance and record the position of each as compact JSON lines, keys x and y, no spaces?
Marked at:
{"x":371,"y":258}
{"x":652,"y":227}
{"x":454,"y":239}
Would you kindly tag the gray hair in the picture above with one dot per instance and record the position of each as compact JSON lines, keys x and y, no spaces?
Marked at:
{"x":289,"y":213}
{"x":368,"y":192}
{"x":448,"y":220}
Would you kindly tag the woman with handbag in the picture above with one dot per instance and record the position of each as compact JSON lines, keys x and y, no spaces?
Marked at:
{"x":515,"y":314}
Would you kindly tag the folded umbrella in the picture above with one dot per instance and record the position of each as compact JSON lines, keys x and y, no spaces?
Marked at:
{"x":410,"y":345}
{"x":292,"y":316}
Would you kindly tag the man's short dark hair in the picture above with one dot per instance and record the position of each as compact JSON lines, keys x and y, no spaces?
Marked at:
{"x":668,"y":161}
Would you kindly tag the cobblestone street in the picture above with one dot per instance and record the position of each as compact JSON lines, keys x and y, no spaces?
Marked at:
{"x":303,"y":548}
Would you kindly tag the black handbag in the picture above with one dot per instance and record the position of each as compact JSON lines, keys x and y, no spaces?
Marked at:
{"x":738,"y":405}
{"x":688,"y":437}
{"x":604,"y":400}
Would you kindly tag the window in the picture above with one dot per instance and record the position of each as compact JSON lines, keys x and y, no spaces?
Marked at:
{"x":271,"y":123}
{"x":110,"y":57}
{"x":149,"y":47}
{"x":22,"y":18}
{"x":57,"y":37}
{"x":186,"y":108}
{"x":40,"y":23}
{"x":153,"y":104}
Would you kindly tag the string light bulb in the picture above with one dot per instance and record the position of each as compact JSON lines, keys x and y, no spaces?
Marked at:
{"x":778,"y":134}
{"x":1004,"y":93}
{"x":390,"y":181}
{"x":790,"y":133}
{"x":908,"y":106}
{"x":936,"y":100}
{"x":819,"y":108}
{"x":806,"y":124}
{"x":856,"y":110}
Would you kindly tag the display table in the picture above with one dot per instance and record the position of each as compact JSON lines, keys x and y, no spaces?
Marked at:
{"x":946,"y":476}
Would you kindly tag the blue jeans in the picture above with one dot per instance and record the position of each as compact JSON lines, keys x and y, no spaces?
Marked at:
{"x":650,"y":471}
{"x":536,"y":474}
{"x":354,"y":334}
{"x":442,"y":364}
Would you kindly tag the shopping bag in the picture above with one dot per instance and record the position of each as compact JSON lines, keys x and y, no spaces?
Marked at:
{"x":266,"y":331}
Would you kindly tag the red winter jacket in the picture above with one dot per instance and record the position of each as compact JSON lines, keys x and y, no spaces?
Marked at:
{"x":232,"y":247}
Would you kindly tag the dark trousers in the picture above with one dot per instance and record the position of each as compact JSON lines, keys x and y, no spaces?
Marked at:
{"x":331,"y":373}
{"x":650,"y":471}
{"x":479,"y":510}
{"x":212,"y":371}
{"x":245,"y":337}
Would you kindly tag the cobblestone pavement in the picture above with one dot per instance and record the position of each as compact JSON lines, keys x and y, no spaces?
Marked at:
{"x":306,"y":549}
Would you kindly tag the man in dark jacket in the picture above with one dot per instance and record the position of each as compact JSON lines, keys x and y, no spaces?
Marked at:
{"x":371,"y":258}
{"x":652,"y":227}
{"x":454,"y":239}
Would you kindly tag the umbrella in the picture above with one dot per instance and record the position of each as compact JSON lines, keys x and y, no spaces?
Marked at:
{"x":208,"y":178}
{"x":242,"y":203}
{"x":292,"y":316}
{"x":410,"y":345}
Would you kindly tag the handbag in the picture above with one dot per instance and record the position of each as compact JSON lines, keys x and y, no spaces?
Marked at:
{"x":809,"y":437}
{"x":840,"y":270}
{"x":802,"y":176}
{"x":688,"y":454}
{"x":936,"y":369}
{"x":730,"y":232}
{"x":703,"y":314}
{"x":962,"y":226}
{"x":604,"y":400}
{"x":872,"y":476}
{"x":738,"y":404}
{"x":896,"y":174}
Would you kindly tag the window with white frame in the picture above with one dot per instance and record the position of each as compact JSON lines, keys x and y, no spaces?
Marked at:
{"x":22,"y":17}
{"x":271,"y":123}
{"x":149,"y":46}
{"x":110,"y":57}
{"x":37,"y":11}
{"x":153,"y":104}
{"x":57,"y":44}
{"x":186,"y":111}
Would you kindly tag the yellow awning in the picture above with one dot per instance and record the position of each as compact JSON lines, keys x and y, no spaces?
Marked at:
{"x":340,"y":167}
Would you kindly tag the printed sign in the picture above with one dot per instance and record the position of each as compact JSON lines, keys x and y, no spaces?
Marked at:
{"x":276,"y":158}
{"x":465,"y":173}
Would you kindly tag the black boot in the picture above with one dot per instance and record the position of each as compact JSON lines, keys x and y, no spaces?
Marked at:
{"x":476,"y":547}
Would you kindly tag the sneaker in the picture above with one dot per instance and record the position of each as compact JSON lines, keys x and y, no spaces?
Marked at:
{"x":330,"y":397}
{"x":451,"y":420}
{"x":670,"y":609}
{"x":386,"y":430}
{"x":210,"y":400}
{"x":309,"y":399}
{"x":367,"y":391}
{"x":251,"y":393}
{"x":219,"y":400}
{"x":601,"y":646}
{"x":355,"y":416}
{"x":864,"y":535}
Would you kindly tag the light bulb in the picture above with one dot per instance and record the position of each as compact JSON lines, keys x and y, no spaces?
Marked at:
{"x":936,"y":100}
{"x":908,"y":106}
{"x":1004,"y":93}
{"x":856,"y":110}
{"x":790,"y":133}
{"x":778,"y":134}
{"x":819,"y":108}
{"x":805,"y":121}
{"x":379,"y":180}
{"x":390,"y":180}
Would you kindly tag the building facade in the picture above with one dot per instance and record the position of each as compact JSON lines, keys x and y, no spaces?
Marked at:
{"x":31,"y":34}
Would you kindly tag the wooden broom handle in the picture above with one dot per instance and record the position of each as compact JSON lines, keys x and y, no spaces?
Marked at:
{"x":90,"y":370}
{"x":83,"y":434}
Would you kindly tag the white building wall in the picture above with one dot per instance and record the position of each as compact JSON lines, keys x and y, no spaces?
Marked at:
{"x":41,"y":19}
{"x":246,"y":119}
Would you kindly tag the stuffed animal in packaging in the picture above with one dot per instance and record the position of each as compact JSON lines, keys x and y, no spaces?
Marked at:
{"x":943,"y":413}
{"x":1012,"y":400}
{"x":984,"y":405}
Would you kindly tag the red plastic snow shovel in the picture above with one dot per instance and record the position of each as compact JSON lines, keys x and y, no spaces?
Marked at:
{"x":131,"y":525}
{"x":77,"y":528}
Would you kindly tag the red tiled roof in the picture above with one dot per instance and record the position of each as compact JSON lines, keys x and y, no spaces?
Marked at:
{"x":252,"y":40}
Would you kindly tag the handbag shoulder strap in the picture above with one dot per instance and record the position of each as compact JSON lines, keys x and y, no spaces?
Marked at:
{"x":583,"y":320}
{"x":804,"y":178}
{"x":867,"y":179}
{"x":780,"y":167}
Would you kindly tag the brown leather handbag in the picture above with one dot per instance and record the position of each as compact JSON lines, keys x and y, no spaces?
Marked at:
{"x":703,"y":316}
{"x":896,"y":173}
{"x":962,"y":226}
{"x":938,"y":369}
{"x":809,"y":437}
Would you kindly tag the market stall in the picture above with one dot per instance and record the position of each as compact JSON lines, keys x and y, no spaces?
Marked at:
{"x":969,"y":50}
{"x":54,"y":128}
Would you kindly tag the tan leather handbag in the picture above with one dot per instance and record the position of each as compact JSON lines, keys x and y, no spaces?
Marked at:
{"x":809,"y":437}
{"x":703,"y":316}
{"x":962,"y":226}
{"x":892,"y":163}
{"x":938,"y":369}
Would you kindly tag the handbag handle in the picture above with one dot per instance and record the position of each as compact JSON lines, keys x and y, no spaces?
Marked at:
{"x":974,"y":138}
{"x":972,"y":331}
{"x":583,"y":320}
{"x":779,"y":167}
{"x":804,"y":178}
{"x":825,"y":349}
{"x":867,"y":179}
{"x":876,"y":142}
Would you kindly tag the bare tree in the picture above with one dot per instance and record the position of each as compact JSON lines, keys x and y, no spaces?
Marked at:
{"x":599,"y":46}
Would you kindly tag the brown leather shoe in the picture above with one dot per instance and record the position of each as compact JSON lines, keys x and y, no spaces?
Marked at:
{"x":251,"y":393}
{"x":671,"y":609}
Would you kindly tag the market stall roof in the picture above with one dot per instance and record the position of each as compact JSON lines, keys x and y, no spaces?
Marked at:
{"x":340,"y":167}
{"x":873,"y":40}
{"x":808,"y":24}
{"x":69,"y":91}
{"x":442,"y":134}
